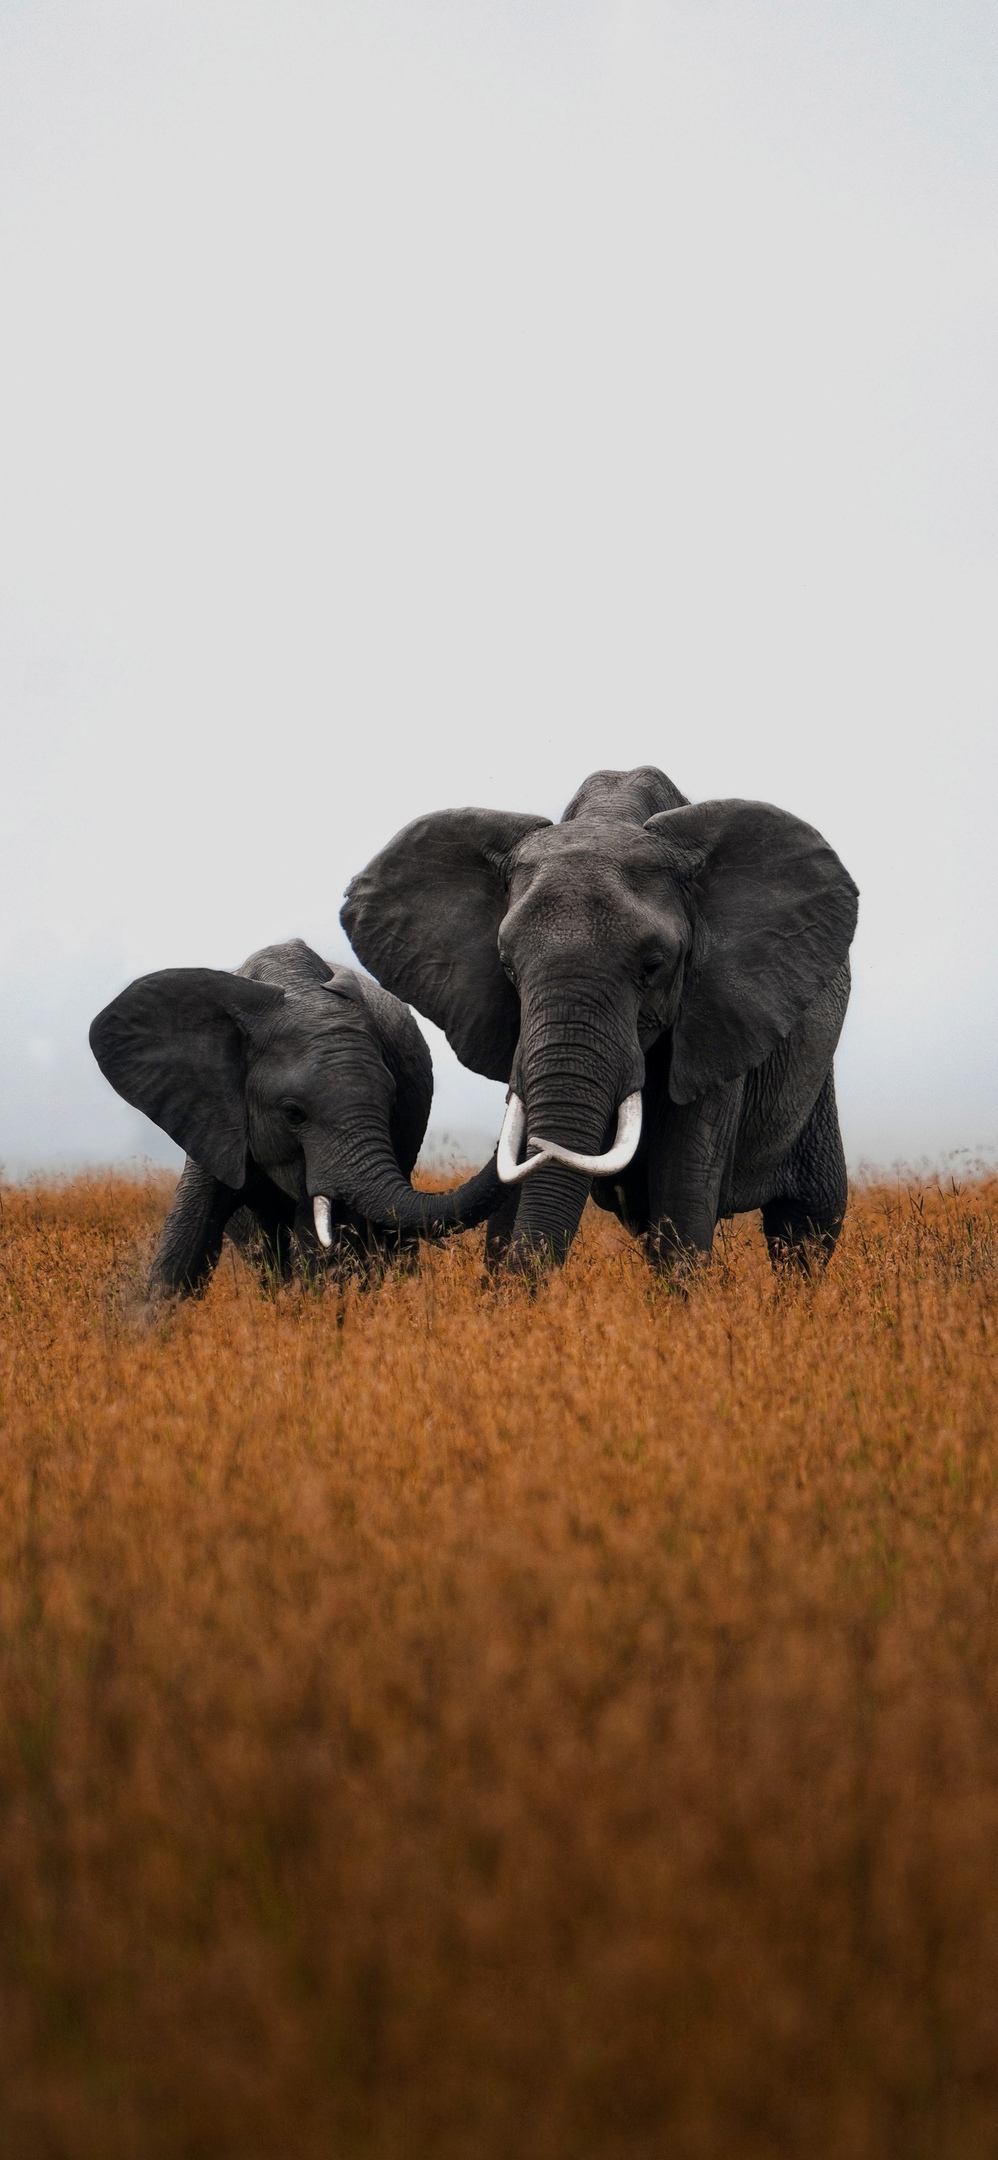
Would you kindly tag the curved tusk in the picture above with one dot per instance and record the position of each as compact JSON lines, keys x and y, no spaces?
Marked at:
{"x":510,"y":1142}
{"x":616,"y":1158}
{"x":321,"y":1216}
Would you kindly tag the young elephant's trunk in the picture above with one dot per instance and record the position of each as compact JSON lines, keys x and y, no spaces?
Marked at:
{"x":366,"y":1175}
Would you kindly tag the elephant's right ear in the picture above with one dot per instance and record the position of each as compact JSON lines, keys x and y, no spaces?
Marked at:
{"x":775,"y":913}
{"x":424,"y":918}
{"x":174,"y":1045}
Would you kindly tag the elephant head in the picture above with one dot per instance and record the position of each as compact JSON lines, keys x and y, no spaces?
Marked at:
{"x":555,"y":956}
{"x":309,"y":1074}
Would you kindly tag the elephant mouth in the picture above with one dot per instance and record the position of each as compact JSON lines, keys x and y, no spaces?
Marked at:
{"x":609,"y":1164}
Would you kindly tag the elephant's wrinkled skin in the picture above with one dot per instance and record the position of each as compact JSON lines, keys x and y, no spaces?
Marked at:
{"x":698,"y":953}
{"x":286,"y":1081}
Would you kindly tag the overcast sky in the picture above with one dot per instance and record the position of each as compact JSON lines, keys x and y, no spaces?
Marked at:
{"x":416,"y":402}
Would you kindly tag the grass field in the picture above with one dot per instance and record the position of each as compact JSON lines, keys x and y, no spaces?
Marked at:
{"x":441,"y":1724}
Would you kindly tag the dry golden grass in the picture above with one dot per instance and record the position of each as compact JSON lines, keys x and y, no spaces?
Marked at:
{"x":448,"y":1725}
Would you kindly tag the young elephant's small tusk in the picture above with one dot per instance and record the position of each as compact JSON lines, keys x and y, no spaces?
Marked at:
{"x":510,"y":1140}
{"x":616,"y":1158}
{"x":322,"y":1218}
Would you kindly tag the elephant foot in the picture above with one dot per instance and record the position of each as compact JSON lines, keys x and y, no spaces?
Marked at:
{"x":532,"y":1256}
{"x":157,"y":1310}
{"x":797,"y":1243}
{"x":677,"y":1262}
{"x":499,"y":1231}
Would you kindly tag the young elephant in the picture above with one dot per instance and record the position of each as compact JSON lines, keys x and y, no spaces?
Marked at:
{"x":301,"y":1093}
{"x":663,"y":983}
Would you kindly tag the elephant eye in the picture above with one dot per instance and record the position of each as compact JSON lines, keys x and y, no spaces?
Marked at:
{"x":651,"y":964}
{"x":294,"y":1113}
{"x":508,"y":970}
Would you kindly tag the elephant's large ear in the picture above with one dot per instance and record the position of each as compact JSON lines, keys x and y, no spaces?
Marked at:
{"x":174,"y":1045}
{"x":424,"y":917}
{"x":774,"y":915}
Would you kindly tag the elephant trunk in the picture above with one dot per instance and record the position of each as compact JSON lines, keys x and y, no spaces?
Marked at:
{"x":574,"y":1069}
{"x":365,"y":1174}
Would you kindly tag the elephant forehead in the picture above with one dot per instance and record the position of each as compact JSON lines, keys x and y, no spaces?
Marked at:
{"x":600,"y":858}
{"x":317,"y":1025}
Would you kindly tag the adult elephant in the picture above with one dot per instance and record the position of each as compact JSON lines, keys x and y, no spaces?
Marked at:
{"x":300,"y":1092}
{"x":663,"y":983}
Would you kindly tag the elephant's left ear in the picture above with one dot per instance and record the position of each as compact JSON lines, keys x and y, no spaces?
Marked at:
{"x":774,"y":913}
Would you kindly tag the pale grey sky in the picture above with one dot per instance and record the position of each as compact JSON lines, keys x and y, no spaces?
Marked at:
{"x":416,"y":402}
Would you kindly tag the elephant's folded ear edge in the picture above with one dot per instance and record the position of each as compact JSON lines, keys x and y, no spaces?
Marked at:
{"x":424,"y":915}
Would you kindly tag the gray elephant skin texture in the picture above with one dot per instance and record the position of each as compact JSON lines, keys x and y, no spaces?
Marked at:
{"x":695,"y":952}
{"x":284,"y":1082}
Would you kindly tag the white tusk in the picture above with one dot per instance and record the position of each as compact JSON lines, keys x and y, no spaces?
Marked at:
{"x":615,"y":1159}
{"x":510,"y":1140}
{"x":321,"y":1216}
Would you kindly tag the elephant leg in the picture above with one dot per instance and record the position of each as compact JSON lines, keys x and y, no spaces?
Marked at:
{"x":399,"y":1251}
{"x":369,"y":1253}
{"x":241,"y":1231}
{"x":803,"y":1219}
{"x":393,"y":1252}
{"x":273,"y":1222}
{"x":690,"y":1148}
{"x":260,"y":1228}
{"x":188,"y":1250}
{"x":360,"y":1251}
{"x":500,"y":1226}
